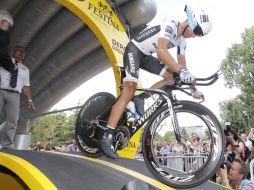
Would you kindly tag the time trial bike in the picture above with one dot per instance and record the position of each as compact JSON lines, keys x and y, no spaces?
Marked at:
{"x":168,"y":120}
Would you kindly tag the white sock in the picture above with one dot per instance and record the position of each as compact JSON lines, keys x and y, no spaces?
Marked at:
{"x":110,"y":127}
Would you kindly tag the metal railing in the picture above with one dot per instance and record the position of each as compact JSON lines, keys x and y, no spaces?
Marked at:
{"x":47,"y":113}
{"x":183,"y":162}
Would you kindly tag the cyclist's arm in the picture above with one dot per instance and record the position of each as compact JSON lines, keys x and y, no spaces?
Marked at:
{"x":181,"y":60}
{"x":181,"y":52}
{"x":165,"y":56}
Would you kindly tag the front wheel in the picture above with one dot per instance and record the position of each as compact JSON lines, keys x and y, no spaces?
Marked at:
{"x":197,"y":158}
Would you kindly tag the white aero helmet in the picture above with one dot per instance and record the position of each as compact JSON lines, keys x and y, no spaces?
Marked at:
{"x":5,"y":15}
{"x":198,"y":20}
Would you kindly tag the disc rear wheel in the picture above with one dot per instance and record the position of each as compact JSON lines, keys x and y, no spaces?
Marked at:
{"x":94,"y":112}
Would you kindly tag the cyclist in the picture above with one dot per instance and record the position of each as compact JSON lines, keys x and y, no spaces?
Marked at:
{"x":156,"y":39}
{"x":6,"y":22}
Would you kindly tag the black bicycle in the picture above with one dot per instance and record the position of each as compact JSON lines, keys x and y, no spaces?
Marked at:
{"x":167,"y":118}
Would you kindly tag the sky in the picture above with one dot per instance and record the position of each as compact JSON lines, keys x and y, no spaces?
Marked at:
{"x":203,"y":55}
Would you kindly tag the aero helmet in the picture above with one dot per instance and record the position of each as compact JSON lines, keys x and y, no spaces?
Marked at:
{"x":198,"y":20}
{"x":5,"y":15}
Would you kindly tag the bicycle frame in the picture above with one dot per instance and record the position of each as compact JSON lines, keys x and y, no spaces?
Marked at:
{"x":166,"y":98}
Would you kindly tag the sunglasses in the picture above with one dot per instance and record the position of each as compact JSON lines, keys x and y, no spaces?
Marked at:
{"x":198,"y":31}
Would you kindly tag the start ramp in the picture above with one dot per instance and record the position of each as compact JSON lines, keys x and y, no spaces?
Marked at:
{"x":39,"y":170}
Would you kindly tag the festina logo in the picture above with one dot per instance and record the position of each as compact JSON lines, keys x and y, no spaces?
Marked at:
{"x":103,"y":13}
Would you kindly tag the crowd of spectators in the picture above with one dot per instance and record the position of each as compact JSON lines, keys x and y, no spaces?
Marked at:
{"x":49,"y":146}
{"x":235,"y":169}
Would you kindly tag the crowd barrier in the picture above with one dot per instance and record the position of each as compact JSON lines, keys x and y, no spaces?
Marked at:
{"x":183,"y":162}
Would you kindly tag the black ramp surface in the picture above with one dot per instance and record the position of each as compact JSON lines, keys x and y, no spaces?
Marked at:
{"x":74,"y":173}
{"x":71,"y":173}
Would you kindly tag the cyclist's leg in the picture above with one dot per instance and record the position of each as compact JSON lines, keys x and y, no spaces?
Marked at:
{"x":154,"y":66}
{"x":119,"y":107}
{"x":132,"y":57}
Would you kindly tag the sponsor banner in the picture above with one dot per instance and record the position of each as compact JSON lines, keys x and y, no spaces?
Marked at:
{"x":104,"y":23}
{"x":130,"y":150}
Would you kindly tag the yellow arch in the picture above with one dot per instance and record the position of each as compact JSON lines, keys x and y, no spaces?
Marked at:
{"x":30,"y":175}
{"x":104,"y":23}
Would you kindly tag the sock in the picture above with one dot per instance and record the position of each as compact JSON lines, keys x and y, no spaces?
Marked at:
{"x":110,"y":127}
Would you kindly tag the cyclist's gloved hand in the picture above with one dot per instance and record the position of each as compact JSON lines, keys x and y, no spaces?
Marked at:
{"x":186,"y":76}
{"x":197,"y":94}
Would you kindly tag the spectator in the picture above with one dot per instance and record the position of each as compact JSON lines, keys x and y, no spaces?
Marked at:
{"x":238,"y":146}
{"x":164,"y":151}
{"x":251,"y":137}
{"x":39,"y":146}
{"x":63,"y":148}
{"x":157,"y":147}
{"x":246,"y":141}
{"x":72,"y":147}
{"x":206,"y":147}
{"x":139,"y":153}
{"x":188,"y":148}
{"x":49,"y":144}
{"x":11,"y":86}
{"x":196,"y":144}
{"x":236,"y":177}
{"x":178,"y":148}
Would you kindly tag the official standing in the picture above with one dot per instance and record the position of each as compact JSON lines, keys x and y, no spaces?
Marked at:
{"x":11,"y":86}
{"x":6,"y":22}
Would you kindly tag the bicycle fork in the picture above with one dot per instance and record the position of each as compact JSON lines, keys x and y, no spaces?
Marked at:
{"x":173,"y":119}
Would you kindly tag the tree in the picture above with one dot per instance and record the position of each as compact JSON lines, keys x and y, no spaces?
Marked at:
{"x":184,"y":134}
{"x":41,"y":129}
{"x":232,"y":111}
{"x":169,"y":136}
{"x":238,"y":70}
{"x":60,"y":126}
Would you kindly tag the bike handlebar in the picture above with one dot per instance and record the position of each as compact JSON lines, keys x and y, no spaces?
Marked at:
{"x":200,"y":81}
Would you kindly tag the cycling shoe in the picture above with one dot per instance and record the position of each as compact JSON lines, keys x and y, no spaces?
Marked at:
{"x":105,"y":143}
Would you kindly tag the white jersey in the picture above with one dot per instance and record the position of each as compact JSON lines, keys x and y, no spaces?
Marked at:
{"x":22,"y":80}
{"x":147,"y":40}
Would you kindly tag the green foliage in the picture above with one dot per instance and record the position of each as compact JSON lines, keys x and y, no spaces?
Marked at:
{"x":60,"y":126}
{"x":170,"y":135}
{"x":234,"y":111}
{"x":238,"y":67}
{"x":207,"y":135}
{"x":184,"y":134}
{"x":238,"y":71}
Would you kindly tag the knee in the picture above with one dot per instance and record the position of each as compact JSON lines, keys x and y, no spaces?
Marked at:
{"x":167,"y":75}
{"x":129,"y":91}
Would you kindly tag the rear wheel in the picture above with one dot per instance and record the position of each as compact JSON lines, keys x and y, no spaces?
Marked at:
{"x":94,"y":112}
{"x":190,"y":163}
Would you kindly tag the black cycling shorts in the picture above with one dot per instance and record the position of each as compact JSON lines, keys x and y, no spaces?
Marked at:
{"x":134,"y":59}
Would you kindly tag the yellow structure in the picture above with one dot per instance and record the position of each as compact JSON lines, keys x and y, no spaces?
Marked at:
{"x":24,"y":171}
{"x":104,"y":23}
